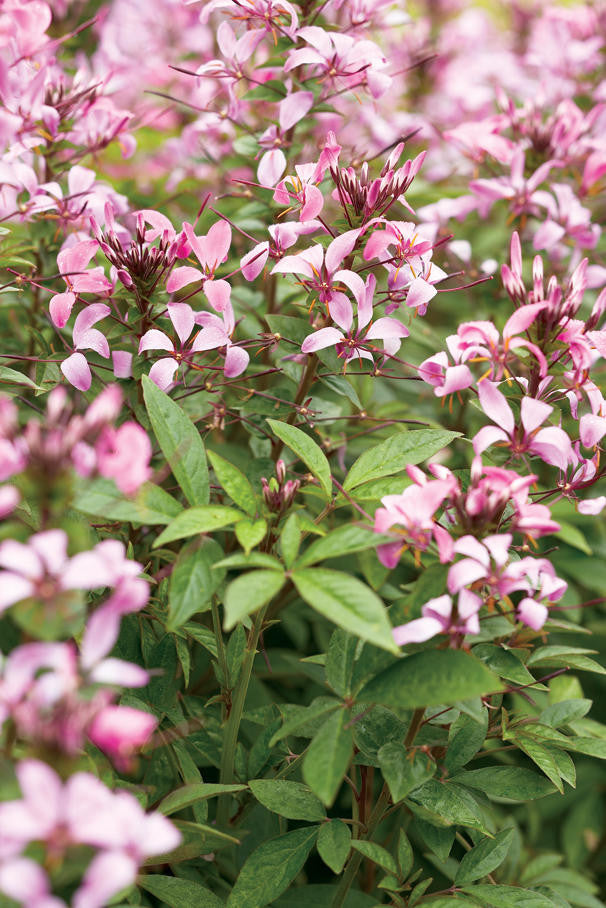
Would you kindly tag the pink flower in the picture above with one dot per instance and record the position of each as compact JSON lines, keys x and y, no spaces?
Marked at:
{"x":485,"y":560}
{"x":352,"y":344}
{"x":75,"y":367}
{"x":123,"y":455}
{"x":320,"y":269}
{"x":335,"y":55}
{"x":211,"y":251}
{"x":414,"y":511}
{"x":440,"y":618}
{"x":480,"y":341}
{"x":120,"y":731}
{"x":445,"y":379}
{"x":551,"y":444}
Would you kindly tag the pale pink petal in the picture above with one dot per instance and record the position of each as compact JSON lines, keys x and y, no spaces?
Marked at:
{"x":463,"y":573}
{"x":341,"y":310}
{"x":94,"y":340}
{"x":60,"y":307}
{"x":386,"y":327}
{"x":106,"y":875}
{"x":420,"y":293}
{"x":218,"y":294}
{"x":417,"y":631}
{"x":591,"y":429}
{"x":488,"y":436}
{"x":120,"y":673}
{"x":271,"y":167}
{"x":155,"y":340}
{"x":162,"y":373}
{"x":340,"y":248}
{"x":319,"y":340}
{"x":236,"y":361}
{"x":313,"y":202}
{"x":522,"y":318}
{"x":253,"y":262}
{"x":182,"y":317}
{"x":592,"y":506}
{"x":495,"y":406}
{"x":24,"y":881}
{"x":87,"y":571}
{"x":468,"y":604}
{"x":532,"y":613}
{"x":183,"y":276}
{"x":123,"y":363}
{"x":534,"y":413}
{"x":354,"y":282}
{"x":77,"y":371}
{"x":159,"y":836}
{"x":87,"y":318}
{"x":217,"y":242}
{"x":100,"y":634}
{"x":51,"y":548}
{"x":294,"y":107}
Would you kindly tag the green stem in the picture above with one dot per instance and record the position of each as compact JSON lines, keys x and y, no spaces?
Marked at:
{"x":355,"y":860}
{"x":221,"y":652}
{"x":415,"y":724}
{"x":232,"y":728}
{"x":307,"y":380}
{"x":375,"y":818}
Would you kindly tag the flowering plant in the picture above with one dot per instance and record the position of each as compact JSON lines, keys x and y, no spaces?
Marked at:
{"x":301,"y":480}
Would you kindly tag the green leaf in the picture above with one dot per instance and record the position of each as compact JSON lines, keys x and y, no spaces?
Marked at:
{"x":343,"y":387}
{"x":198,"y":520}
{"x":249,"y":592}
{"x":430,"y":678}
{"x":508,"y":897}
{"x":506,"y":663}
{"x":202,"y":635}
{"x":334,"y":844}
{"x":290,"y":539}
{"x":255,"y":559}
{"x":566,"y":656}
{"x":340,"y":661}
{"x":249,"y":533}
{"x":396,"y":453}
{"x":180,"y":442}
{"x":403,"y":772}
{"x":343,"y":541}
{"x":235,"y":483}
{"x":484,"y":858}
{"x":271,"y":868}
{"x":449,"y":803}
{"x":465,"y":738}
{"x":192,"y":794}
{"x":320,"y":707}
{"x":328,"y":757}
{"x":564,"y":712}
{"x":17,"y":378}
{"x":288,"y":799}
{"x":151,"y":505}
{"x":306,"y":450}
{"x":346,"y":601}
{"x":573,"y":536}
{"x":405,"y":855}
{"x":515,"y":783}
{"x":375,"y":853}
{"x":542,"y":755}
{"x":193,"y":582}
{"x":178,"y":893}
